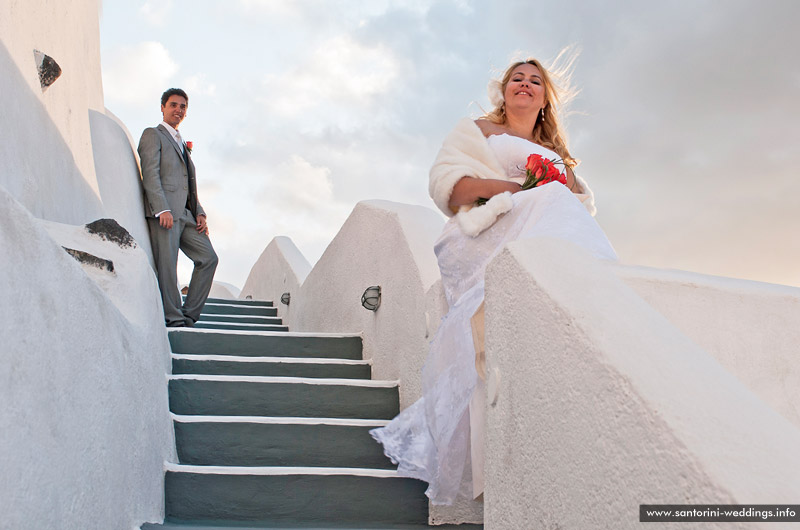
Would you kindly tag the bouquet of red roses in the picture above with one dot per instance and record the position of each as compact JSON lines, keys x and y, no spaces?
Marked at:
{"x":540,"y":170}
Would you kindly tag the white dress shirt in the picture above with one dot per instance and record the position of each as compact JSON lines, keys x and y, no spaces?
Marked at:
{"x":178,"y":140}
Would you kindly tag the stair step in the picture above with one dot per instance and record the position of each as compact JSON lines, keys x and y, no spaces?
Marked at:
{"x":275,"y":494}
{"x":293,"y":525}
{"x":260,"y":441}
{"x":208,"y":324}
{"x":296,"y":525}
{"x":241,"y":319}
{"x":236,"y":308}
{"x":265,"y":343}
{"x":236,"y":301}
{"x":220,"y":395}
{"x":271,"y":366}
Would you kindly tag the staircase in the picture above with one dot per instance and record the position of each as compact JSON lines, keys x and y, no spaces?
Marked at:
{"x":246,"y":315}
{"x":271,"y":429}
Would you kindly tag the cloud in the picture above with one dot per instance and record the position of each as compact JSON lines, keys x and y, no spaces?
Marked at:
{"x":335,"y":83}
{"x":299,"y":200}
{"x":137,"y":74}
{"x":198,"y":84}
{"x":156,"y":12}
{"x":687,"y":136}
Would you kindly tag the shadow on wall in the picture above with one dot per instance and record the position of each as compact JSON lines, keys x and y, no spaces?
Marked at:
{"x":118,"y":177}
{"x":36,"y":164}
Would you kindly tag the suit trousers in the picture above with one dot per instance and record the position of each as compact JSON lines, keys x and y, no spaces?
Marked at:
{"x":184,"y":236}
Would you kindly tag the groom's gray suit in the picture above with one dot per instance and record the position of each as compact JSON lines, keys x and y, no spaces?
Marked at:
{"x":169,"y":183}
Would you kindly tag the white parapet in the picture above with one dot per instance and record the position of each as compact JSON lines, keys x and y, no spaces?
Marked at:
{"x":85,"y":416}
{"x":391,"y":245}
{"x":750,"y":327}
{"x":281,"y":268}
{"x":597,"y":403}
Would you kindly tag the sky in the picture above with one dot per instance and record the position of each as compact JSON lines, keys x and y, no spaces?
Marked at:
{"x":687,"y":123}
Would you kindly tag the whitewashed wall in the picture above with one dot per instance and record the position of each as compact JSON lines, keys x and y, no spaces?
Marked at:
{"x":602,"y":404}
{"x":391,"y":245}
{"x":281,"y":268}
{"x":751,"y":328}
{"x":45,"y":146}
{"x":85,"y":423}
{"x":117,"y":168}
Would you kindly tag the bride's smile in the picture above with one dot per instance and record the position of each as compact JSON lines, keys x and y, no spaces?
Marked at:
{"x":525,"y":88}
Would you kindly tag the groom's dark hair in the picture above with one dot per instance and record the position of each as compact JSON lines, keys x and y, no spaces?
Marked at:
{"x":173,"y":92}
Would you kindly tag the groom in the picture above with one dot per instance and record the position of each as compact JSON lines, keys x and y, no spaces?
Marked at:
{"x":174,"y":215}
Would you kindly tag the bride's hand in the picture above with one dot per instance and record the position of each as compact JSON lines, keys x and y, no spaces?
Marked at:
{"x":470,"y":189}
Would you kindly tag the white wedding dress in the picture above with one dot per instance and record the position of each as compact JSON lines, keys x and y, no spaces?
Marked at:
{"x":430,"y":440}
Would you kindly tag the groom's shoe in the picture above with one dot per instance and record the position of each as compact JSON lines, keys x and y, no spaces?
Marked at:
{"x":188,"y":322}
{"x":175,"y":324}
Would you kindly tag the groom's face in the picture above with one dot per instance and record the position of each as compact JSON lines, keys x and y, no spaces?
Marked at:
{"x":174,"y":110}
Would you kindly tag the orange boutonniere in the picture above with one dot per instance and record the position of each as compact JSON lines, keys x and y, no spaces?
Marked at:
{"x":189,"y":146}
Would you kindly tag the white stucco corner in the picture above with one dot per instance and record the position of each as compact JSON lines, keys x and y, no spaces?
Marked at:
{"x":391,"y":245}
{"x":281,"y":268}
{"x":84,"y":354}
{"x":749,"y":327}
{"x":604,"y":404}
{"x":224,"y":290}
{"x":117,"y":168}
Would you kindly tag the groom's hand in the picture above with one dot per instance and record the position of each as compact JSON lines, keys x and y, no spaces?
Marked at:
{"x":202,"y":226}
{"x":165,"y":220}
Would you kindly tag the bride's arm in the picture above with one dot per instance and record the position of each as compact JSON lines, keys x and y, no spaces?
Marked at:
{"x":470,"y":189}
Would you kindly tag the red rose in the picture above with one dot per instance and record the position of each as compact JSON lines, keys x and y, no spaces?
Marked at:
{"x":540,"y":170}
{"x":533,"y":161}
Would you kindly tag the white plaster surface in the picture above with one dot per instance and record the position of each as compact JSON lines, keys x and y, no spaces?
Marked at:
{"x":132,"y":287}
{"x":281,"y":471}
{"x":85,"y":419}
{"x":224,"y":290}
{"x":387,"y":244}
{"x":46,"y":158}
{"x":750,"y":327}
{"x":366,"y":383}
{"x":282,"y":420}
{"x":604,"y":405}
{"x":281,"y":268}
{"x":117,"y":169}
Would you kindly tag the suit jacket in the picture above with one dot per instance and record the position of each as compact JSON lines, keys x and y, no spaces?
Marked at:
{"x":168,"y":178}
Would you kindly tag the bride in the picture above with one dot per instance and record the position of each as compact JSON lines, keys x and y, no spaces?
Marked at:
{"x":433,"y":439}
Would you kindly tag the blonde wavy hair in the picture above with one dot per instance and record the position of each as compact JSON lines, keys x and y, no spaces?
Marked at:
{"x":557,"y":93}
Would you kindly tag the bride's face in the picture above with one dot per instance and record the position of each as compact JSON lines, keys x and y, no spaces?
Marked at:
{"x":525,"y":89}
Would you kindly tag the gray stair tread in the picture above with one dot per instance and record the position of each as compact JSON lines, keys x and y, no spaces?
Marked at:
{"x":237,"y":309}
{"x":265,"y":343}
{"x":244,"y":326}
{"x":298,"y":526}
{"x":265,"y":366}
{"x":236,"y":301}
{"x":240,"y":319}
{"x":228,"y":441}
{"x":282,"y":396}
{"x":259,"y":495}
